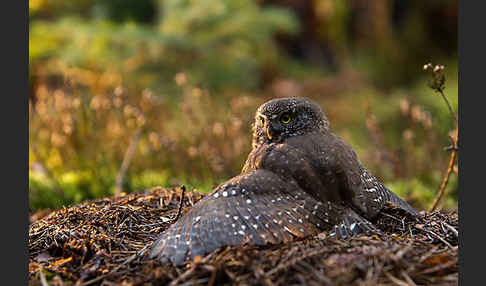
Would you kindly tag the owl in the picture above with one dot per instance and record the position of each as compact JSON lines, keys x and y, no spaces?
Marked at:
{"x":299,"y":179}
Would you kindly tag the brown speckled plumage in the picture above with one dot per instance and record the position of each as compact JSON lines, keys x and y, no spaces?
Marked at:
{"x":299,"y":179}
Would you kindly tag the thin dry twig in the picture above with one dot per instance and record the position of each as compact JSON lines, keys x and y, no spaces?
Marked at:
{"x":454,"y":231}
{"x":447,"y":175}
{"x":295,"y":260}
{"x":179,"y":209}
{"x":434,"y":235}
{"x":191,"y":270}
{"x":395,"y":279}
{"x":43,"y":278}
{"x":408,"y":279}
{"x":453,"y":114}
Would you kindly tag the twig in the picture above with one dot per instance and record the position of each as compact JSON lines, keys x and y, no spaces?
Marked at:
{"x":43,"y":278}
{"x":191,"y":270}
{"x":258,"y":273}
{"x":451,"y":228}
{"x":397,"y":219}
{"x":139,"y":253}
{"x":434,"y":235}
{"x":438,"y":85}
{"x":439,"y":267}
{"x":179,"y":210}
{"x":196,"y":282}
{"x":214,"y":271}
{"x":395,"y":279}
{"x":407,"y":278}
{"x":284,"y":265}
{"x":126,"y":160}
{"x":450,"y":169}
{"x":448,"y":105}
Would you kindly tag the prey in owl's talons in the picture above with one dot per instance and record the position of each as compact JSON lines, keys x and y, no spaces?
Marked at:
{"x":299,"y":179}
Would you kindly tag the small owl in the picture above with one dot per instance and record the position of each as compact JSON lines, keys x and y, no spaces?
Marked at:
{"x":299,"y":179}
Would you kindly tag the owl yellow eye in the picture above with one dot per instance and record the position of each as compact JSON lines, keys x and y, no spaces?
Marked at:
{"x":262,"y":121}
{"x":285,"y":118}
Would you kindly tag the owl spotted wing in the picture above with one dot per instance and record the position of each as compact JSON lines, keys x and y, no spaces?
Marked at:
{"x":361,"y":189}
{"x":327,"y":168}
{"x":257,"y":207}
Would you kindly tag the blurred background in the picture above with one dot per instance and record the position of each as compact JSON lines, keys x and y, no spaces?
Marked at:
{"x":163,"y":92}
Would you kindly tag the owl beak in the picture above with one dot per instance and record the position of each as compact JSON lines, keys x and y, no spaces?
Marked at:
{"x":269,"y":133}
{"x":267,"y":127}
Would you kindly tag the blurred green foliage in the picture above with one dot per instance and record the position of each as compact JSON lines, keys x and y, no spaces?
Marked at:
{"x":189,"y":75}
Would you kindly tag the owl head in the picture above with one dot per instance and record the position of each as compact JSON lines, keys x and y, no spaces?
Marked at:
{"x":279,"y":119}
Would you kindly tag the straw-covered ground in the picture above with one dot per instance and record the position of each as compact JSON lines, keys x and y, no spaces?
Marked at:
{"x":105,"y":242}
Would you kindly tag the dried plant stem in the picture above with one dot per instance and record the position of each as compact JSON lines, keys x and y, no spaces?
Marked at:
{"x":449,"y":106}
{"x":179,"y":209}
{"x":452,"y":159}
{"x":127,"y":160}
{"x":445,"y":180}
{"x":43,"y":278}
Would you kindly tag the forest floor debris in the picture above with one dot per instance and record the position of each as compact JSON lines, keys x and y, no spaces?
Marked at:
{"x":105,"y":242}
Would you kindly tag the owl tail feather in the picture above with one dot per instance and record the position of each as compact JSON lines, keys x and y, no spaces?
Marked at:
{"x":396,"y":200}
